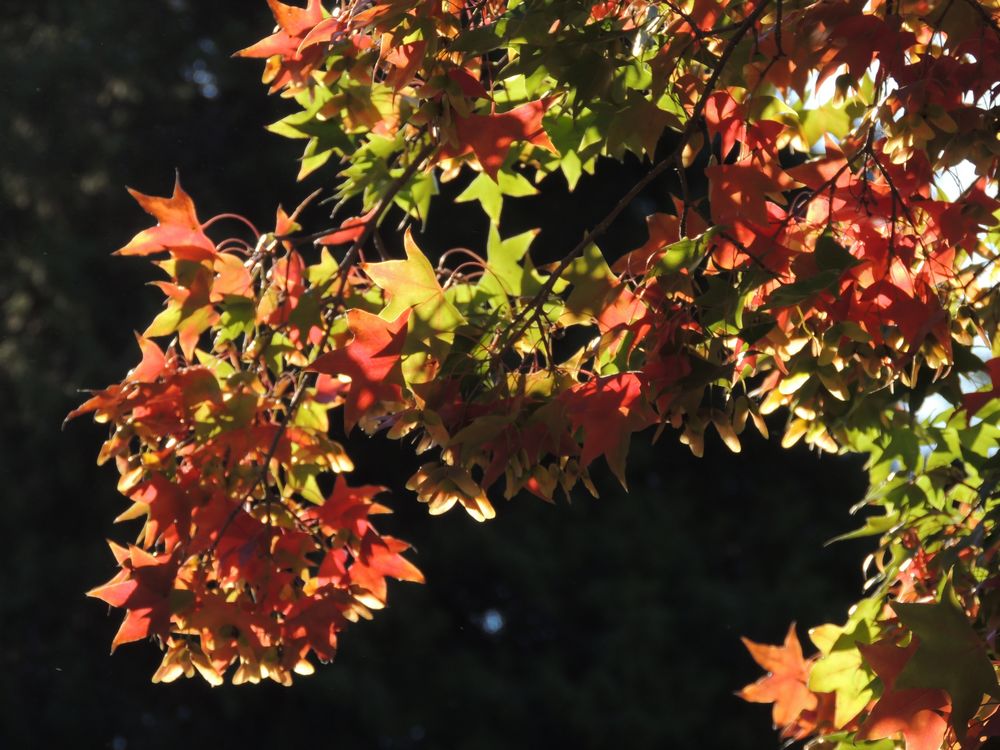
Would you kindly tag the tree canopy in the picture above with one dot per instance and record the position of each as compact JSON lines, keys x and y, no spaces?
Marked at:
{"x":827,"y":248}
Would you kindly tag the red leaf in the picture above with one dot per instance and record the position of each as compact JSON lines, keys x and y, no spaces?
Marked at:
{"x":608,"y":409}
{"x":152,"y":364}
{"x":726,"y":117}
{"x":468,"y":83}
{"x":296,"y":59}
{"x":368,"y":361}
{"x":489,"y":136}
{"x":293,"y":24}
{"x":346,"y":507}
{"x":737,"y":191}
{"x":914,"y":713}
{"x":232,"y":278}
{"x":350,"y":229}
{"x":973,"y":402}
{"x":142,"y":586}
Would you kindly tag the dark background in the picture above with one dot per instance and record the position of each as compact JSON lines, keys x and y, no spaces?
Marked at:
{"x":600,"y":624}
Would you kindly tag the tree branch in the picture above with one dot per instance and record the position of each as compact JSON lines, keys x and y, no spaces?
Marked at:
{"x":529,"y":314}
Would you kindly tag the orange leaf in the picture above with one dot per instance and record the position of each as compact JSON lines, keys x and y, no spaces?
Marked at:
{"x":177,"y":231}
{"x":786,"y":684}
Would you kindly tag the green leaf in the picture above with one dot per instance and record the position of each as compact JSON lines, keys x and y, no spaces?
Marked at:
{"x":799,"y":291}
{"x":592,"y":279}
{"x":237,"y":318}
{"x":830,"y":255}
{"x":477,"y":41}
{"x":490,"y":194}
{"x":950,"y":655}
{"x":685,"y":253}
{"x":841,"y":669}
{"x":505,"y":276}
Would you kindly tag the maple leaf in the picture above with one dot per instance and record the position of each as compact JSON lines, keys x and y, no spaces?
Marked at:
{"x":166,"y":507}
{"x":152,"y":365}
{"x":412,"y":284}
{"x":737,"y":191}
{"x":786,"y":684}
{"x":407,"y":59}
{"x":861,"y":37}
{"x":950,"y":655}
{"x":727,"y":118}
{"x":293,"y":24}
{"x":232,"y":278}
{"x":369,"y":360}
{"x":916,"y":714}
{"x":142,"y":586}
{"x":489,"y":137}
{"x":608,"y":409}
{"x":347,"y":507}
{"x":348,"y":231}
{"x":290,"y":60}
{"x":378,"y":557}
{"x":663,"y":230}
{"x":178,"y":229}
{"x":467,"y":83}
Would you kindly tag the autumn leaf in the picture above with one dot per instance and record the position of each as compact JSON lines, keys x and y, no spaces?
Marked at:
{"x":369,"y":360}
{"x":726,"y":118}
{"x":350,"y":229}
{"x":142,"y":587}
{"x":608,"y":410}
{"x":949,"y":655}
{"x":973,"y":402}
{"x":738,"y":191}
{"x":178,"y":229}
{"x":916,"y":714}
{"x":347,"y":507}
{"x":786,"y":684}
{"x":289,"y":61}
{"x":152,"y":364}
{"x":489,"y":137}
{"x":412,"y":284}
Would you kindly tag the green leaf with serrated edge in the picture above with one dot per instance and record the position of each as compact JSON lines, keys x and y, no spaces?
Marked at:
{"x":830,"y":255}
{"x":840,"y":668}
{"x":874,"y":526}
{"x":415,"y":198}
{"x":685,"y":253}
{"x":487,"y":192}
{"x":477,"y":41}
{"x":237,"y":319}
{"x":950,"y":656}
{"x":788,"y":295}
{"x":505,"y":274}
{"x":323,"y":272}
{"x":592,"y":280}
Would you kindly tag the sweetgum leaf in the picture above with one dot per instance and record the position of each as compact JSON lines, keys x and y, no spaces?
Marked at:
{"x":950,"y":655}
